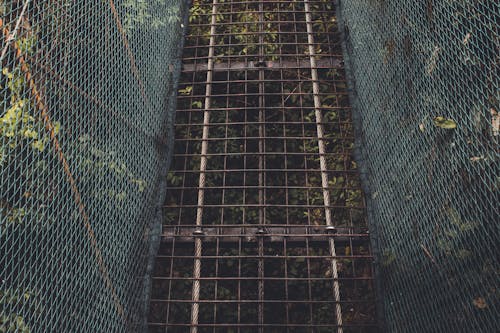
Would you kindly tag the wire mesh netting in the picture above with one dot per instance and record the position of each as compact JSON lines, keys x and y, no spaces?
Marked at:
{"x":265,"y":226}
{"x":87,"y":98}
{"x":427,"y":95}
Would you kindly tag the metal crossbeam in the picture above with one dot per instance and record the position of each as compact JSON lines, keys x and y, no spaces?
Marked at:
{"x":324,"y":63}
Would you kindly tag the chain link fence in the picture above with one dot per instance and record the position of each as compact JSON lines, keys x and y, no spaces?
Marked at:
{"x":427,"y":99}
{"x":87,"y":99}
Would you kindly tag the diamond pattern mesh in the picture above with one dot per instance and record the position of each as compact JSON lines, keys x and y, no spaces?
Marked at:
{"x":85,"y":127}
{"x":427,"y":99}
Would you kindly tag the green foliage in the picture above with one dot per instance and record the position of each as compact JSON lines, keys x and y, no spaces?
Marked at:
{"x":173,"y":179}
{"x":137,"y":13}
{"x":11,"y":216}
{"x":14,"y":322}
{"x":445,"y":123}
{"x":197,"y":104}
{"x":11,"y":297}
{"x":452,"y":241}
{"x":141,"y":14}
{"x":15,"y":82}
{"x":247,"y":33}
{"x":186,"y":91}
{"x":102,"y":164}
{"x":26,"y":216}
{"x":17,"y":126}
{"x":27,"y":44}
{"x":388,"y":258}
{"x":245,"y":29}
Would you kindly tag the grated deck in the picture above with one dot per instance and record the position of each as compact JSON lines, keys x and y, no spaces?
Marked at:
{"x":266,"y":228}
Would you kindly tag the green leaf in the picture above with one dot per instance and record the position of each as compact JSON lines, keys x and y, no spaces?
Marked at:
{"x":454,"y":216}
{"x":388,"y":257}
{"x":57,"y":127}
{"x":445,"y":123}
{"x":186,"y":91}
{"x":38,"y":144}
{"x":463,"y":254}
{"x":30,"y":134}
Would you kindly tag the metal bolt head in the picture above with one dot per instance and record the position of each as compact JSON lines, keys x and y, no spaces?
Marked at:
{"x":198,"y":232}
{"x":331,"y":229}
{"x":260,"y":231}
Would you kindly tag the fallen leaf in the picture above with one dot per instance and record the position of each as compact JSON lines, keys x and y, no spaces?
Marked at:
{"x":197,"y":104}
{"x":388,"y":257}
{"x":445,"y":123}
{"x":495,"y":122}
{"x":467,"y":38}
{"x":431,"y":66}
{"x":477,"y":158}
{"x":480,"y":303}
{"x":186,"y":91}
{"x":454,"y":216}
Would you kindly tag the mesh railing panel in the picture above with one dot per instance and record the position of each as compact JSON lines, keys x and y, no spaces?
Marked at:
{"x":85,"y":126}
{"x":433,"y":188}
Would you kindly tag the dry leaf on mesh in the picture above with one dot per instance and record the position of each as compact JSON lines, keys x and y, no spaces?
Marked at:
{"x":495,"y":122}
{"x":480,"y":303}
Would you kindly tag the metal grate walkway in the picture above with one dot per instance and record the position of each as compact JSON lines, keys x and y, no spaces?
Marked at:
{"x":266,"y":228}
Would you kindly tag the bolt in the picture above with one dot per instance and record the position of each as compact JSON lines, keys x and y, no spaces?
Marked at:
{"x":331,"y":229}
{"x":198,"y":232}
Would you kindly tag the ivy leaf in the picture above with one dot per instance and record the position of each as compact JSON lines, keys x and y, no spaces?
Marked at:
{"x":388,"y":257}
{"x":445,"y":123}
{"x":57,"y":127}
{"x":495,"y":122}
{"x":186,"y":91}
{"x":30,"y":134}
{"x":38,"y":144}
